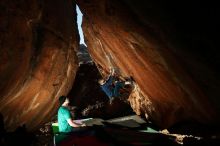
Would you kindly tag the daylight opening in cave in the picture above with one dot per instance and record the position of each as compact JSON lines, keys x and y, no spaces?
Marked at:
{"x":79,"y":24}
{"x":83,"y":54}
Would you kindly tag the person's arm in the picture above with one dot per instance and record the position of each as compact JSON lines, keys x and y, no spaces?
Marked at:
{"x":74,"y":124}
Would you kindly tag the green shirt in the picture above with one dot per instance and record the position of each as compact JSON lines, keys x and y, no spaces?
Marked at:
{"x":63,"y":116}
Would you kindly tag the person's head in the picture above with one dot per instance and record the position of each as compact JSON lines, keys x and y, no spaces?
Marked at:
{"x":101,"y":81}
{"x":63,"y":100}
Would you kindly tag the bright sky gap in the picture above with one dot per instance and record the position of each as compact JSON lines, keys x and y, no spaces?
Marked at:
{"x":79,"y":23}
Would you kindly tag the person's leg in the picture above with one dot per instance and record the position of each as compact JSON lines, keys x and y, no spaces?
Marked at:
{"x":118,"y":86}
{"x":129,"y":81}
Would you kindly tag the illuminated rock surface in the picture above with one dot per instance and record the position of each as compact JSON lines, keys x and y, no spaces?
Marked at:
{"x":37,"y":62}
{"x":169,"y":50}
{"x":156,"y":44}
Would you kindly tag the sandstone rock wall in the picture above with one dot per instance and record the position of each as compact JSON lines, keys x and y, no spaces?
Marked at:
{"x":170,"y":53}
{"x":133,"y":38}
{"x":37,"y":62}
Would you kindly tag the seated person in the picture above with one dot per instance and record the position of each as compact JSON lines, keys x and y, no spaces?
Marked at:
{"x":65,"y":121}
{"x":112,"y":86}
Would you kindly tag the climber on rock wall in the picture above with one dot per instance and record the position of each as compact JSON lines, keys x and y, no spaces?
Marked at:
{"x":113,"y":86}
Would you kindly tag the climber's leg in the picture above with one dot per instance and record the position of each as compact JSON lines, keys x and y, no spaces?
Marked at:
{"x":118,"y":86}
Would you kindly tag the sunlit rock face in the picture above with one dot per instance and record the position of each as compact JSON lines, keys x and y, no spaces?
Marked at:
{"x":37,"y":62}
{"x":159,"y":45}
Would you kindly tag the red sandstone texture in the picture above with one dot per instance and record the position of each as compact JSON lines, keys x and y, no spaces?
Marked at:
{"x":165,"y":93}
{"x":37,"y":62}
